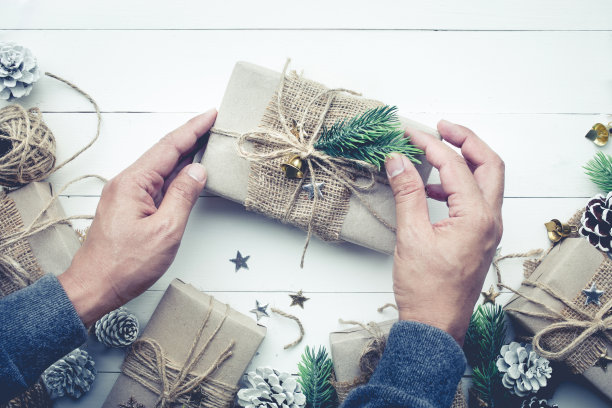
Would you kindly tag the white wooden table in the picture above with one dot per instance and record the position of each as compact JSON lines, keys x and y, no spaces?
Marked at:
{"x":529,"y":77}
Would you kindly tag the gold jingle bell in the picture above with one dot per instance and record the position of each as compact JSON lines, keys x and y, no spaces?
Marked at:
{"x":293,"y":168}
{"x":599,"y":134}
{"x":557,"y":230}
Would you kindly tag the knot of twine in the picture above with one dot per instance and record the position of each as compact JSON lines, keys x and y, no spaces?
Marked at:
{"x":373,"y":350}
{"x":147,"y":364}
{"x":286,"y":143}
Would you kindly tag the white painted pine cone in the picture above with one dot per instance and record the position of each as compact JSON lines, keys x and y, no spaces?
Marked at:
{"x":18,"y":71}
{"x":118,"y":328}
{"x":71,"y":375}
{"x":524,"y":370}
{"x":269,"y":388}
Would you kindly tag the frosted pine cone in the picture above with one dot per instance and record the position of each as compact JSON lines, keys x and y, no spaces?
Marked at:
{"x":118,"y":328}
{"x":18,"y":71}
{"x":71,"y":375}
{"x":537,"y":403}
{"x":597,"y":222}
{"x":524,"y":370}
{"x":270,"y":388}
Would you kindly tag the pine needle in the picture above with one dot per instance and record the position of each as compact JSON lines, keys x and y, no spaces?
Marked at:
{"x":599,"y":170}
{"x":370,"y":137}
{"x":315,"y":372}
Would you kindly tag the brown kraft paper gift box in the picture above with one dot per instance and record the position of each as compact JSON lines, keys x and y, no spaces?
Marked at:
{"x":174,"y":325}
{"x":48,"y":251}
{"x":246,"y":103}
{"x":347,"y":347}
{"x":571,"y":266}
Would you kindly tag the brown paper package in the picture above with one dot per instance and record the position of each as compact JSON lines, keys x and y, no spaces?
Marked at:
{"x":248,"y":93}
{"x":347,"y":346}
{"x":54,"y":247}
{"x":174,"y":325}
{"x":567,"y":269}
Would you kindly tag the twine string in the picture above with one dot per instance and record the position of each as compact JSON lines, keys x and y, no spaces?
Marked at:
{"x":294,"y":318}
{"x":148,"y":365}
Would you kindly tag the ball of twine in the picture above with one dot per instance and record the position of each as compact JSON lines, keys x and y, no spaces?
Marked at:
{"x":27,"y":146}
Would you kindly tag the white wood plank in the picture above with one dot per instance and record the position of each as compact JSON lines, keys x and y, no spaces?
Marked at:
{"x":548,"y":148}
{"x":273,"y":14}
{"x":217,"y":228}
{"x":441,"y":71}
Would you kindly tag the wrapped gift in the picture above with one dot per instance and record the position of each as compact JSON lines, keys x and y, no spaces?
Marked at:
{"x":551,"y":306}
{"x":356,"y":352}
{"x":47,"y":251}
{"x":247,"y":169}
{"x":193,"y":351}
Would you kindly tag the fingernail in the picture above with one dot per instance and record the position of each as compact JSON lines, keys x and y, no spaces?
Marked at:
{"x":446,"y":122}
{"x":197,"y":172}
{"x":211,"y":110}
{"x":394,"y":165}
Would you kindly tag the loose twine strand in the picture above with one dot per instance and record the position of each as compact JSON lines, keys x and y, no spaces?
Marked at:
{"x":294,"y":318}
{"x":343,"y":170}
{"x":35,"y":140}
{"x":148,"y":365}
{"x":591,"y":324}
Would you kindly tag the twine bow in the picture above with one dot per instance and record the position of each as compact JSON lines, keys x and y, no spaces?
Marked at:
{"x":344,"y":170}
{"x":148,"y":365}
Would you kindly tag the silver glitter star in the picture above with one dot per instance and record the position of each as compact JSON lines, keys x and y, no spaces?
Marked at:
{"x":240,"y":261}
{"x":310,"y":189}
{"x":593,"y":295}
{"x":260,"y":311}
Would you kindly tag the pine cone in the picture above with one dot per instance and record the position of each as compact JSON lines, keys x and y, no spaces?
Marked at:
{"x":537,"y":403}
{"x":270,"y":388}
{"x":597,"y":222}
{"x":18,"y":71}
{"x":71,"y":375}
{"x":524,"y":370}
{"x":118,"y":328}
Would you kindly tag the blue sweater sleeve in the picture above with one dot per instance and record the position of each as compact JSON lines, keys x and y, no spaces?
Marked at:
{"x":420,"y":368}
{"x":39,"y":325}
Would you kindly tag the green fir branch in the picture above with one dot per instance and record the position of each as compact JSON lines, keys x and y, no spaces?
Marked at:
{"x":599,"y":170}
{"x":370,"y":137}
{"x":315,"y":374}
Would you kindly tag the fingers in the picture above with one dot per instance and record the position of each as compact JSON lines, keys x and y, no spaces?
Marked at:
{"x":436,"y":191}
{"x":457,"y":179}
{"x":181,"y":196}
{"x":488,"y":167}
{"x":409,"y":193}
{"x":165,"y":154}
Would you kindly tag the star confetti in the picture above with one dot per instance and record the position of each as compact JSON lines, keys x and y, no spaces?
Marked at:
{"x":593,"y":295}
{"x":490,"y":295}
{"x":260,"y":311}
{"x":298,"y":299}
{"x":310,"y":189}
{"x":603,"y":361}
{"x":240,"y":261}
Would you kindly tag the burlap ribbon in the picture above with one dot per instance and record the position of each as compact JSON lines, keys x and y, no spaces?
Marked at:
{"x":290,"y":126}
{"x":147,"y":364}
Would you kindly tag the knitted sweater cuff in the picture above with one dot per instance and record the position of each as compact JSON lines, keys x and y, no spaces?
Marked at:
{"x":422,"y":359}
{"x":39,"y":326}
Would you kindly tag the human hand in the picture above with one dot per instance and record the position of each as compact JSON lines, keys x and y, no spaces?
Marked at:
{"x":439,"y":269}
{"x":138,"y":225}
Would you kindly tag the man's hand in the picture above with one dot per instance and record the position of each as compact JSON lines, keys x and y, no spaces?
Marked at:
{"x":138,"y":224}
{"x":439,"y":269}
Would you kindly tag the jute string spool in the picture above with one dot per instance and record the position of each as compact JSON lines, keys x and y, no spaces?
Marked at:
{"x":27,"y":145}
{"x":283,"y":143}
{"x":147,"y":364}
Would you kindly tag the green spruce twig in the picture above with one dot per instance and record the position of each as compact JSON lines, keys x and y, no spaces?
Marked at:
{"x":315,"y":374}
{"x":370,"y":137}
{"x":599,"y":170}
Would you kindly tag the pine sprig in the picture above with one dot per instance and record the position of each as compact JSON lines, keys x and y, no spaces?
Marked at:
{"x":315,"y":372}
{"x":370,"y":137}
{"x":599,"y":170}
{"x":485,"y":336}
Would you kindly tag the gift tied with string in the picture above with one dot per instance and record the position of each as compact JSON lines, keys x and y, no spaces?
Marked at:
{"x":192,"y":353}
{"x":269,"y":125}
{"x":356,"y":352}
{"x":564,"y":305}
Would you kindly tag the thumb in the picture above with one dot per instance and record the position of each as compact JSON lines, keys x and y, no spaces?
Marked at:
{"x":182,"y":194}
{"x":409,"y":192}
